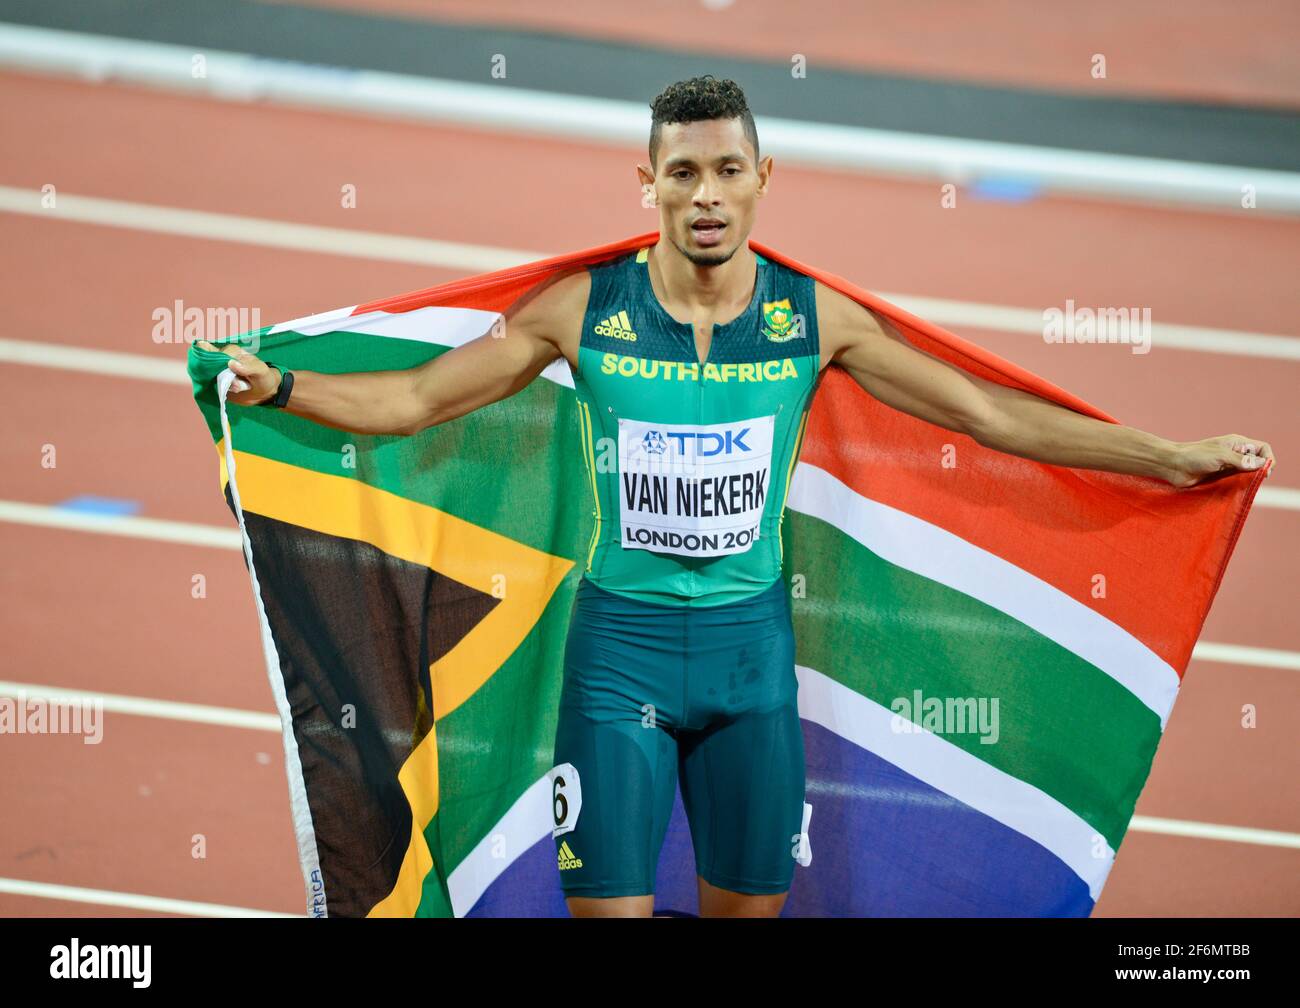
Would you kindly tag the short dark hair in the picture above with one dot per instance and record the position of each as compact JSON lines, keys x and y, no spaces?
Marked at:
{"x":697,"y":99}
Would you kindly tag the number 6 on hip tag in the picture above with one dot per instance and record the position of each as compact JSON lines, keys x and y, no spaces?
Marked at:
{"x":566,"y":798}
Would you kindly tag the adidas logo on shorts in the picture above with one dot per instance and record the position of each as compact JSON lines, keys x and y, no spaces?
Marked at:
{"x":617,"y":326}
{"x":566,"y":858}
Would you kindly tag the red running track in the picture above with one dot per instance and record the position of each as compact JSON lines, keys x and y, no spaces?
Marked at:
{"x":109,"y":614}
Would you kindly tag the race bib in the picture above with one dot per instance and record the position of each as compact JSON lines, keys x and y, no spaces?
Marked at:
{"x":693,"y":489}
{"x":566,"y":798}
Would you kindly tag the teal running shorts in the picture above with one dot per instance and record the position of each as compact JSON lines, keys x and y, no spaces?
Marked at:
{"x":653,"y":694}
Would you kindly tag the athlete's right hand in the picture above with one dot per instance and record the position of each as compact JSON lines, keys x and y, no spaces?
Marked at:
{"x":255,"y":382}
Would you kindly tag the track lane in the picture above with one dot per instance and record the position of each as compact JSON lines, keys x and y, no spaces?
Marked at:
{"x":1164,"y":876}
{"x":1210,"y":767}
{"x":120,"y":278}
{"x":111,"y":437}
{"x":121,"y":815}
{"x":1215,"y":269}
{"x":107,"y":614}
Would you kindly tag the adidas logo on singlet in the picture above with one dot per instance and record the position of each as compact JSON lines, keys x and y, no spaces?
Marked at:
{"x":618,"y":326}
{"x":567,"y":860}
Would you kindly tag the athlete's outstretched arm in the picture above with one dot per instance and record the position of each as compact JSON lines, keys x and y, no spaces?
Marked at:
{"x":1019,"y":423}
{"x":495,"y":365}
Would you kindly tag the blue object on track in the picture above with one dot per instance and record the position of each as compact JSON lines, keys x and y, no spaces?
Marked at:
{"x":90,"y":504}
{"x":1007,"y":190}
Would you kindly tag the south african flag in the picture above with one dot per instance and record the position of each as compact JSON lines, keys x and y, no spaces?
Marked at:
{"x":987,"y":648}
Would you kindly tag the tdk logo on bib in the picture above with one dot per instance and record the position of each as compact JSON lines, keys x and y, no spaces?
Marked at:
{"x":706,"y":444}
{"x":693,"y":489}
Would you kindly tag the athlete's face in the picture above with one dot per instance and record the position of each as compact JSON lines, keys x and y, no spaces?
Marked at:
{"x":706,"y":188}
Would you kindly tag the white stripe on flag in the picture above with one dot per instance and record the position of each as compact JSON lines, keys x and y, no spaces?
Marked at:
{"x":444,"y":326}
{"x":528,"y":821}
{"x":432,"y":324}
{"x":314,"y":325}
{"x":935,"y":553}
{"x":952,"y":770}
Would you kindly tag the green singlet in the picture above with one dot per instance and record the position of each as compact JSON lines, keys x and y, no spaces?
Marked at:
{"x":690,"y":464}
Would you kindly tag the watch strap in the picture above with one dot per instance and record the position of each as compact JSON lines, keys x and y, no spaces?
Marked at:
{"x":281,"y":397}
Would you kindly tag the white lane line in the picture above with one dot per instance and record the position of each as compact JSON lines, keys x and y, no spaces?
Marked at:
{"x":156,"y":529}
{"x":131,"y":901}
{"x":1029,"y":322}
{"x":116,"y":703}
{"x":265,"y":232}
{"x":1214,"y":831}
{"x":1241,"y":654}
{"x":235,"y":76}
{"x":484,"y":258}
{"x":1278,"y":497}
{"x":104,"y":362}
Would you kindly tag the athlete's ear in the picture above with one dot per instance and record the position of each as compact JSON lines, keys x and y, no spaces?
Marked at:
{"x":764,"y":175}
{"x":649,"y":198}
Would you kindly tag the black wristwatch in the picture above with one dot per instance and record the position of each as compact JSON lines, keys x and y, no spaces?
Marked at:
{"x":281,"y":397}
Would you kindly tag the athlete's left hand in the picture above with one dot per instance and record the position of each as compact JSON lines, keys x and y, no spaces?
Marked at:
{"x":1198,"y":461}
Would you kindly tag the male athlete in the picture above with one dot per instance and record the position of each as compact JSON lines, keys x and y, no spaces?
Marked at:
{"x":679,"y":662}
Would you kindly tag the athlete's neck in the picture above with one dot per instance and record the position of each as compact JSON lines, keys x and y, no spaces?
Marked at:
{"x":683,"y":287}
